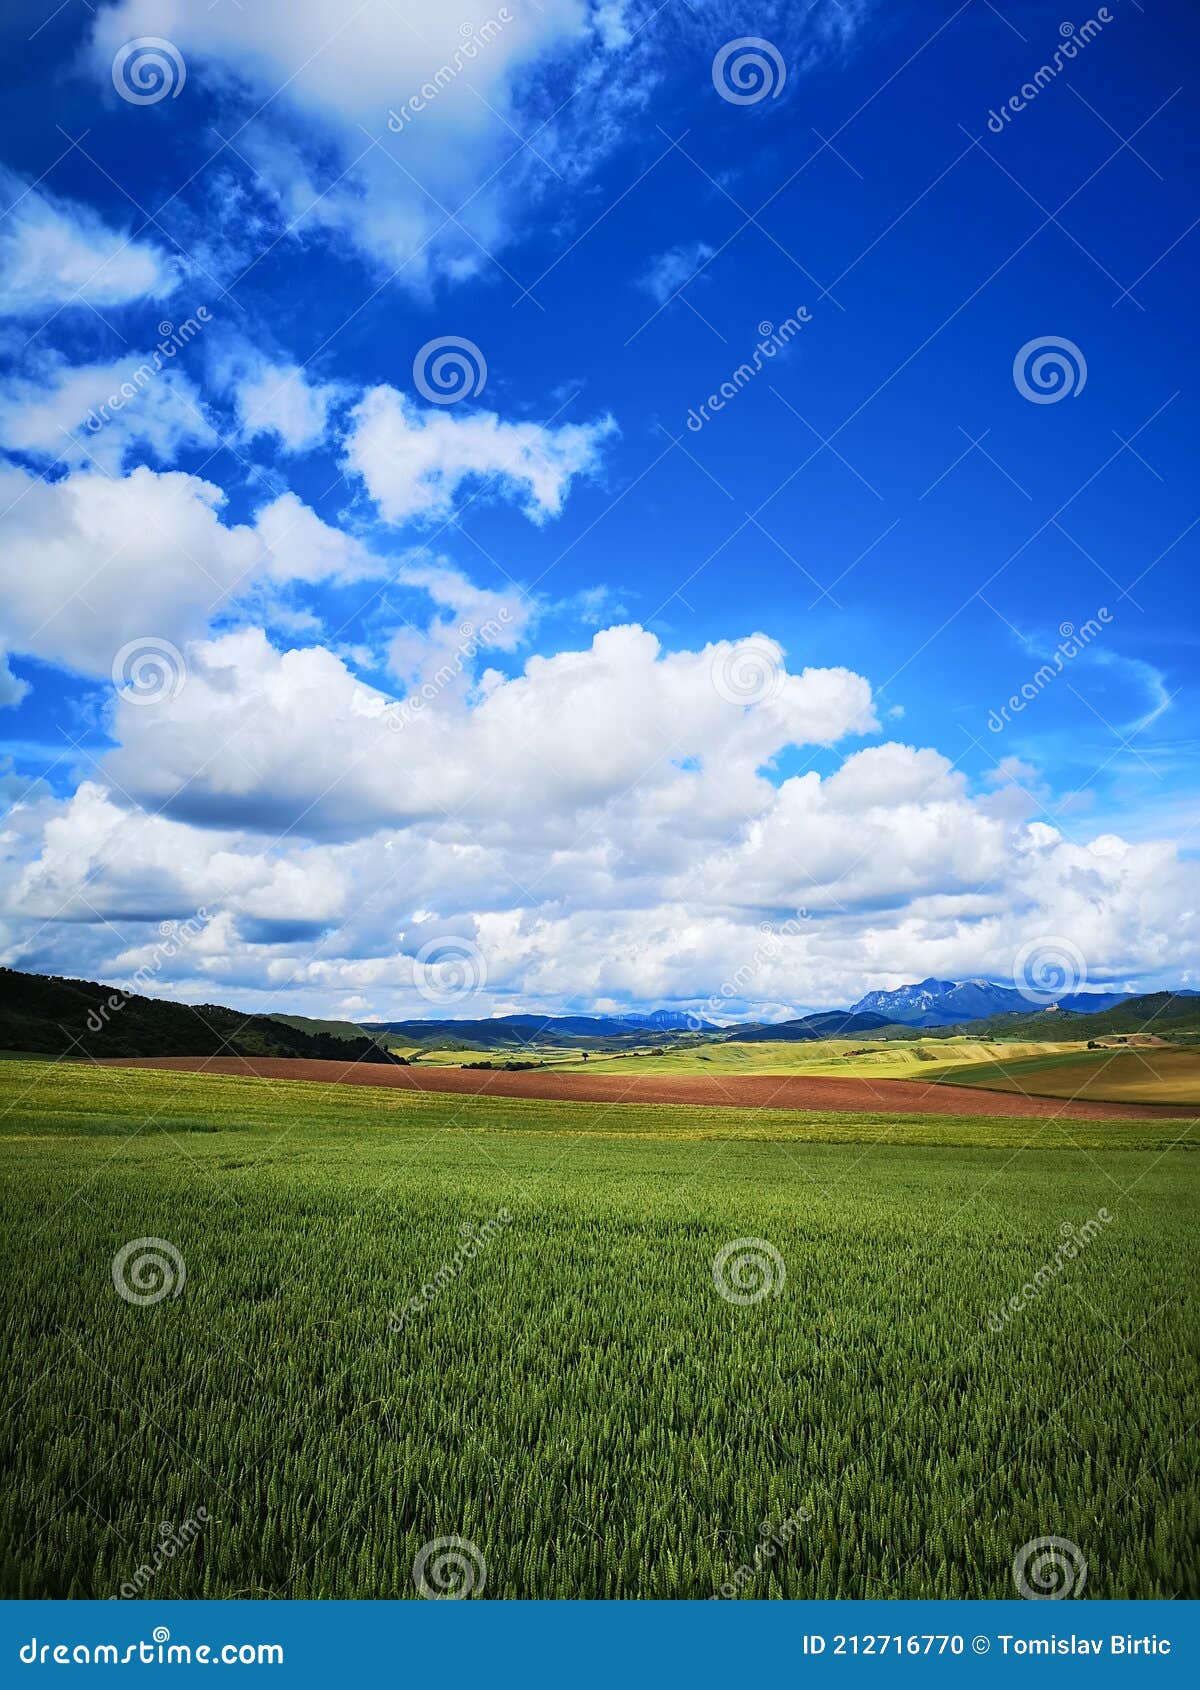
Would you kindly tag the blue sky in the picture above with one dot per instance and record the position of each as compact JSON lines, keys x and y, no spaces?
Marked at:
{"x":880,"y":502}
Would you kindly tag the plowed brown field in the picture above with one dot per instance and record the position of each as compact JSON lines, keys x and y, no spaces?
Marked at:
{"x":739,"y":1091}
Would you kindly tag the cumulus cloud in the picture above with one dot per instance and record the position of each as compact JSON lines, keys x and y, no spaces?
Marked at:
{"x":279,"y":398}
{"x":311,"y":748}
{"x":796,"y":895}
{"x":102,"y":413}
{"x":54,"y":252}
{"x":414,"y":460}
{"x":94,"y":562}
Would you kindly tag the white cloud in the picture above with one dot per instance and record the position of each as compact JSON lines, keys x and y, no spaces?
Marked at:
{"x":620,"y":722}
{"x":414,"y":460}
{"x":655,"y":892}
{"x":93,"y":562}
{"x":280,"y":399}
{"x":100,"y":413}
{"x":54,"y":252}
{"x":668,"y":272}
{"x":12,"y":688}
{"x":331,"y":74}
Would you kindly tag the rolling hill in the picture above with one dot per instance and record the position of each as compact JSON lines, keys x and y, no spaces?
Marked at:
{"x":45,"y":1014}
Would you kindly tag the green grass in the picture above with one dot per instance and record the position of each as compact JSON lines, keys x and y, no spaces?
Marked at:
{"x":579,"y":1402}
{"x":1145,"y":1074}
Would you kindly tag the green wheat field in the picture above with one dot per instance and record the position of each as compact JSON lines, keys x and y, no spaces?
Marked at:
{"x":573,"y":1395}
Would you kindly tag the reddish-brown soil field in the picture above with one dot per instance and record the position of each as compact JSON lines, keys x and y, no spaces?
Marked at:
{"x":740,"y":1091}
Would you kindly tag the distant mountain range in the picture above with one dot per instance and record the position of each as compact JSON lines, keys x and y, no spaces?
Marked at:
{"x":500,"y":1032}
{"x":828,"y":1024}
{"x":942,"y":1003}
